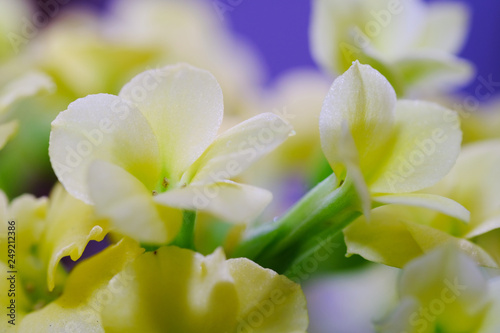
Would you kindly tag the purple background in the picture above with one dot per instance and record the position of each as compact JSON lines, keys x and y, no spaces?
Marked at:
{"x":278,"y":29}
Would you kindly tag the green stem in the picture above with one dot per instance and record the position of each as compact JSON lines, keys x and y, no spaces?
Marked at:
{"x":324,"y":207}
{"x":185,"y":238}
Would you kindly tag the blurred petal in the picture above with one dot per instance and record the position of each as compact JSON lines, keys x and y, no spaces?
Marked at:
{"x":426,"y":147}
{"x":428,"y":72}
{"x":384,"y":239}
{"x":91,"y":285}
{"x":429,"y":238}
{"x":491,"y":323}
{"x":277,"y":292}
{"x":391,"y":239}
{"x":474,"y":182}
{"x":364,"y":99}
{"x":486,"y":226}
{"x":191,"y":293}
{"x":236,"y":149}
{"x":434,"y":202}
{"x":7,"y":131}
{"x":25,"y":86}
{"x":129,"y":205}
{"x":102,"y":127}
{"x":447,"y":268}
{"x":64,"y":236}
{"x":446,"y":26}
{"x":227,"y":200}
{"x":184,"y":107}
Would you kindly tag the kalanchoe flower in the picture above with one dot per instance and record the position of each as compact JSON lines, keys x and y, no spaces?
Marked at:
{"x":444,"y":291}
{"x":412,"y":43}
{"x":155,"y":146}
{"x":396,"y":235}
{"x":388,"y":147}
{"x":44,"y":230}
{"x":172,"y":290}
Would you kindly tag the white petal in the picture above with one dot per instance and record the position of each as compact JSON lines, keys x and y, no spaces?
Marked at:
{"x":102,"y":127}
{"x":348,"y":154}
{"x":227,"y":200}
{"x":435,"y":202}
{"x":364,"y":99}
{"x":446,"y":27}
{"x":484,"y":227}
{"x":184,"y":107}
{"x":425,"y":148}
{"x":129,"y":205}
{"x":25,"y":86}
{"x":236,"y":149}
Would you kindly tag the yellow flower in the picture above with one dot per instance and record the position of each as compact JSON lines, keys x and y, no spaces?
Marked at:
{"x":444,"y":291}
{"x":395,"y":235}
{"x":172,"y":290}
{"x":412,"y":43}
{"x":155,"y":146}
{"x":388,"y":147}
{"x":43,"y":231}
{"x":482,"y":124}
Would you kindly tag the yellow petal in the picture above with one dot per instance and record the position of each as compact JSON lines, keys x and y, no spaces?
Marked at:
{"x":102,"y":127}
{"x":64,"y":236}
{"x":425,"y":148}
{"x":364,"y":99}
{"x":443,"y":279}
{"x":434,"y":202}
{"x":348,"y":154}
{"x":384,"y":239}
{"x":174,"y":290}
{"x":428,"y":72}
{"x":90,"y":287}
{"x":129,"y":205}
{"x":230,"y":201}
{"x":429,"y":238}
{"x":474,"y":182}
{"x":277,"y":305}
{"x":237,"y":148}
{"x":184,"y":107}
{"x":447,"y":268}
{"x":392,"y":238}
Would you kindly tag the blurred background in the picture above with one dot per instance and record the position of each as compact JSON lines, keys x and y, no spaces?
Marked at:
{"x":259,"y":51}
{"x":278,"y":30}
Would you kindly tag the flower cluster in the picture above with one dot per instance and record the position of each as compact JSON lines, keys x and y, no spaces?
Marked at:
{"x":183,"y":200}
